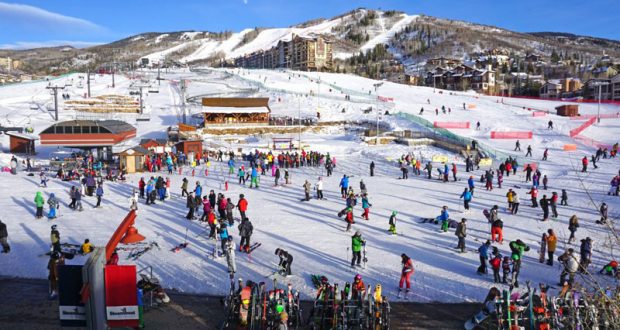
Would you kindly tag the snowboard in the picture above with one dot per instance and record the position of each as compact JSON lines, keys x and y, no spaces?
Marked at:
{"x":179,"y":247}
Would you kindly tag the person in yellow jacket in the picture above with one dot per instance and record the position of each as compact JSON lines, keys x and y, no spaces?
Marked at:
{"x":87,"y":247}
{"x":509,"y":195}
{"x":552,"y":242}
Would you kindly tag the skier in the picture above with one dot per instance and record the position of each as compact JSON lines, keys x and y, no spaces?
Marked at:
{"x":497,"y":230}
{"x":55,"y":238}
{"x":78,"y":200}
{"x":461,"y":233}
{"x":471,"y":184}
{"x":466,"y":196}
{"x":573,"y":224}
{"x":44,"y":180}
{"x":349,"y":218}
{"x":517,"y":248}
{"x":372,"y":168}
{"x":363,"y":189}
{"x":53,"y":205}
{"x":529,"y":151}
{"x":242,"y":205}
{"x":515,"y":203}
{"x":550,"y":125}
{"x":571,"y":266}
{"x":584,"y":164}
{"x":229,"y":211}
{"x":99,"y":193}
{"x":319,"y":188}
{"x":365,"y":205}
{"x":604,"y":211}
{"x":552,"y":242}
{"x":4,"y":237}
{"x":229,"y":251}
{"x":222,"y":230}
{"x":534,"y":193}
{"x":585,"y":253}
{"x":191,"y":205}
{"x":184,"y":188}
{"x":544,"y":205}
{"x":517,"y":146}
{"x":564,"y":198}
{"x":545,"y":154}
{"x":241,"y":175}
{"x":483,"y":253}
{"x":444,"y":217}
{"x":245,"y":231}
{"x":553,"y":203}
{"x":253,"y":177}
{"x":454,"y":171}
{"x":356,"y":247}
{"x":142,"y":185}
{"x":277,"y":176}
{"x":133,"y":200}
{"x":286,"y":260}
{"x":405,"y":274}
{"x":496,"y":263}
{"x":429,"y":170}
{"x":39,"y":202}
{"x":477,"y":126}
{"x":307,"y":186}
{"x":392,"y":223}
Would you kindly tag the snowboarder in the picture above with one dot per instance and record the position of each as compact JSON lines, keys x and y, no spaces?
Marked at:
{"x":466,"y":196}
{"x":372,"y":165}
{"x":245,"y":231}
{"x":356,"y":247}
{"x":319,"y":188}
{"x":461,"y":233}
{"x":4,"y":238}
{"x":286,"y":260}
{"x":229,"y":251}
{"x":405,"y":274}
{"x":573,"y":224}
{"x":543,"y":248}
{"x":483,"y":253}
{"x":392,"y":223}
{"x":53,"y":204}
{"x":39,"y":202}
{"x":552,"y":242}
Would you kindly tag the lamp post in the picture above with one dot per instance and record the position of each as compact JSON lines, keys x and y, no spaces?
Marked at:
{"x":600,"y":85}
{"x":377,"y":85}
{"x":299,"y":113}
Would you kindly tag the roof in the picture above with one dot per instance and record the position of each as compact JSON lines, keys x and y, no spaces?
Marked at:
{"x":135,"y":150}
{"x":235,"y":105}
{"x":114,"y":126}
{"x":159,"y":141}
{"x":22,"y":136}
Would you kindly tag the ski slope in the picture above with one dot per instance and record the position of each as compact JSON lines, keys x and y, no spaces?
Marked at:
{"x":311,"y":231}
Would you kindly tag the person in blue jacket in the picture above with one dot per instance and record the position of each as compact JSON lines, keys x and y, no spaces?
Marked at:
{"x":223,"y":231}
{"x":99,"y":193}
{"x":150,"y":187}
{"x":483,"y":252}
{"x":344,"y":186}
{"x":444,"y":217}
{"x":466,"y":196}
{"x":471,"y":184}
{"x":446,"y":172}
{"x":231,"y":166}
{"x":254,"y":177}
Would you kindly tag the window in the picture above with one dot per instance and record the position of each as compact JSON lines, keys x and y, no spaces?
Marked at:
{"x":49,"y":130}
{"x":86,"y":130}
{"x":60,"y":129}
{"x":94,"y":129}
{"x":68,"y":130}
{"x":77,"y":130}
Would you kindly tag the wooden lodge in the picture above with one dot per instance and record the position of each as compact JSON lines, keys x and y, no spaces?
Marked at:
{"x":226,"y":111}
{"x":21,"y":143}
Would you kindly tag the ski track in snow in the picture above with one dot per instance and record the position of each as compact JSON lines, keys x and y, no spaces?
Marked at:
{"x":311,"y":231}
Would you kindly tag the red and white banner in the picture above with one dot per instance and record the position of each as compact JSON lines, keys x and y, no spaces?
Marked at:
{"x":451,"y":124}
{"x":121,"y":295}
{"x":511,"y":135}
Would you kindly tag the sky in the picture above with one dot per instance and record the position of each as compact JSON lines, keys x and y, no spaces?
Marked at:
{"x":36,"y":23}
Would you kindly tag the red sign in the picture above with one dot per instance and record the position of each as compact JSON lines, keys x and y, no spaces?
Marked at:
{"x":121,"y":295}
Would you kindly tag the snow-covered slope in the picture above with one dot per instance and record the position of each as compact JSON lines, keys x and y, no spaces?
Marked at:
{"x":380,"y":30}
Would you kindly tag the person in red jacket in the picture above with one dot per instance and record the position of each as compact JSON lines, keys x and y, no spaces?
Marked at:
{"x":584,"y":163}
{"x":242,"y":205}
{"x":405,"y":275}
{"x":534,"y":193}
{"x":454,"y":171}
{"x":141,"y":185}
{"x":349,"y":218}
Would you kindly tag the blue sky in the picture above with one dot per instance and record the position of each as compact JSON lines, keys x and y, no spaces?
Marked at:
{"x":27,"y":24}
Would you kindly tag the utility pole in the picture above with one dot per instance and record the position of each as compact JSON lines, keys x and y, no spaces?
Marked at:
{"x":88,"y":82}
{"x":182,"y":88}
{"x":141,"y":87}
{"x":55,"y":93}
{"x":377,"y":85}
{"x":299,"y":108}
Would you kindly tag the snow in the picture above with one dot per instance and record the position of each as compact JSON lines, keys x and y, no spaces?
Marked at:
{"x":210,"y":48}
{"x":161,"y":37}
{"x":311,"y":231}
{"x":387,"y":35}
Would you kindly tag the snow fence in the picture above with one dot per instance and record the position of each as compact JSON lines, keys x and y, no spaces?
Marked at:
{"x":576,"y":131}
{"x":512,"y":135}
{"x":451,"y":124}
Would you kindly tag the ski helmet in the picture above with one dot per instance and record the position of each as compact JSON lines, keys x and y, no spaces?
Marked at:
{"x":358,"y":277}
{"x":358,"y":233}
{"x":279,"y":309}
{"x":54,"y":227}
{"x":277,"y":251}
{"x":394,"y":213}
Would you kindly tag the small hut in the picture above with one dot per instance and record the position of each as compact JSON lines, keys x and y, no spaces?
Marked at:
{"x":568,"y":110}
{"x":21,"y":143}
{"x":132,"y":160}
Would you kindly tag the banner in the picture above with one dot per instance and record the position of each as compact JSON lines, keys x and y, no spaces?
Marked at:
{"x":539,"y":114}
{"x":574,"y":132}
{"x":511,"y":135}
{"x":451,"y":124}
{"x":70,"y":308}
{"x":121,"y":296}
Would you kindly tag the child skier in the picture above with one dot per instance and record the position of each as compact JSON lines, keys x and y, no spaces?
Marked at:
{"x":444,"y":218}
{"x":39,"y":202}
{"x":393,"y":223}
{"x":349,"y":218}
{"x":53,"y":204}
{"x":405,"y":275}
{"x":506,"y":268}
{"x":496,"y":263}
{"x":365,"y":205}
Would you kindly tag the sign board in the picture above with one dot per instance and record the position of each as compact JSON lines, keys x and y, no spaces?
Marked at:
{"x":72,"y":312}
{"x":121,"y":296}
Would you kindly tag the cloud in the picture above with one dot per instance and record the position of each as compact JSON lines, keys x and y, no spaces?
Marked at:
{"x":33,"y":16}
{"x":245,"y":2}
{"x":20,"y":45}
